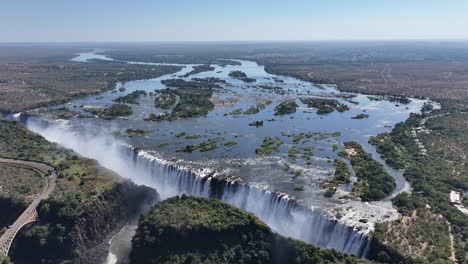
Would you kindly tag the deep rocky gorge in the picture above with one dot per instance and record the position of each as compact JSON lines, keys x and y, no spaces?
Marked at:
{"x":63,"y":235}
{"x":87,"y":204}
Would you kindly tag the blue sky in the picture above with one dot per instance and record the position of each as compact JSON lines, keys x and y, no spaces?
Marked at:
{"x":221,"y":20}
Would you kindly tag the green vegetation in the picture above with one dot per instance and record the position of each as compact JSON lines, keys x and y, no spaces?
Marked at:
{"x":136,"y":132}
{"x":286,"y":107}
{"x":334,"y":147}
{"x":17,"y":185}
{"x":208,"y":80}
{"x":252,"y":110}
{"x":19,"y":181}
{"x":374,"y":183}
{"x":198,"y":69}
{"x":298,"y":187}
{"x":61,"y":113}
{"x":420,"y":236}
{"x":204,"y":83}
{"x":297,"y":138}
{"x":165,"y":99}
{"x":391,"y":98}
{"x":113,"y":111}
{"x":4,"y":259}
{"x":192,"y":136}
{"x":324,"y":105}
{"x":342,"y":176}
{"x":441,"y":169}
{"x":269,"y":145}
{"x":432,"y":174}
{"x":375,"y":98}
{"x":158,"y":117}
{"x":230,"y":143}
{"x":131,"y":98}
{"x":234,"y":112}
{"x":180,"y":134}
{"x":194,"y":98}
{"x":300,"y":136}
{"x":297,"y":173}
{"x":398,"y":99}
{"x":293,"y":152}
{"x":395,"y":155}
{"x":360,"y":116}
{"x":256,"y":123}
{"x":241,"y":76}
{"x":259,"y":107}
{"x":205,"y":145}
{"x":198,"y":230}
{"x":83,"y":188}
{"x":51,"y":82}
{"x":427,"y":107}
{"x":329,"y":192}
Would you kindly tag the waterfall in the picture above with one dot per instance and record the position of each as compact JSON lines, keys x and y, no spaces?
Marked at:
{"x":279,"y":211}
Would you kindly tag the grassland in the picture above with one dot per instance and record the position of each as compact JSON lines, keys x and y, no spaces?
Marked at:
{"x":18,"y":184}
{"x":77,"y":176}
{"x":20,"y":181}
{"x":420,"y":235}
{"x":29,"y":85}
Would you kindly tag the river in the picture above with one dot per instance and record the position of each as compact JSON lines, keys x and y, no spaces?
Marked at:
{"x":233,"y":172}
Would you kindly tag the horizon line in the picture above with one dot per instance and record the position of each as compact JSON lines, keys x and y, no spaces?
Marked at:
{"x":240,"y":41}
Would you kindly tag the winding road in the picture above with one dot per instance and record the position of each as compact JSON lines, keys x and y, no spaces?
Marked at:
{"x":30,"y":214}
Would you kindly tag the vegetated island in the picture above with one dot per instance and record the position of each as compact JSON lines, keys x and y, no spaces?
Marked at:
{"x":324,"y":105}
{"x":241,"y":76}
{"x":131,"y":98}
{"x":199,"y":69}
{"x":360,"y":116}
{"x":197,"y":230}
{"x":194,"y":99}
{"x":112,"y":112}
{"x":287,"y":106}
{"x":165,"y":99}
{"x":374,"y":182}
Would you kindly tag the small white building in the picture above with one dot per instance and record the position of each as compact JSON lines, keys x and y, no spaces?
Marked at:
{"x":455,"y":197}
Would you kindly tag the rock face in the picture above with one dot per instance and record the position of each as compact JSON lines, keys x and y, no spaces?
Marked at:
{"x":279,"y":212}
{"x":114,"y":206}
{"x":197,"y":230}
{"x":67,"y":230}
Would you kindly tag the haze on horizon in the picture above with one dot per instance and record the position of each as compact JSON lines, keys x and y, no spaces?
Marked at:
{"x":241,"y":20}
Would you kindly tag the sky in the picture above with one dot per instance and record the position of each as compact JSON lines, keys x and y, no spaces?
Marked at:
{"x":231,"y":20}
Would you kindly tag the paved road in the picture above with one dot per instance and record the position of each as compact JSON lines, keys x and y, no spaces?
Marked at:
{"x":30,"y":212}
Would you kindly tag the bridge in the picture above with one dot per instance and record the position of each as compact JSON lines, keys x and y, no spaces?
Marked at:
{"x":30,"y":214}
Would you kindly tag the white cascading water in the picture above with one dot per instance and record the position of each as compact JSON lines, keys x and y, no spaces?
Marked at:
{"x":278,"y":211}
